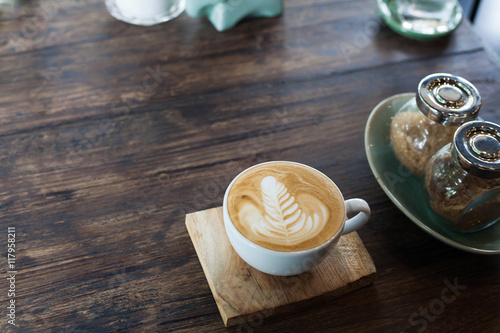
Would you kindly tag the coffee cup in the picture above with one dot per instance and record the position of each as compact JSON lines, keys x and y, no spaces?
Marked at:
{"x":282,"y":218}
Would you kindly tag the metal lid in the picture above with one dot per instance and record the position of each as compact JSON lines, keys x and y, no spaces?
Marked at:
{"x":477,"y":148}
{"x":448,"y":99}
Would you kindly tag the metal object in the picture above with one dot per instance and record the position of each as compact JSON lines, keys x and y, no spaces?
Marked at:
{"x":448,"y":99}
{"x":477,"y":148}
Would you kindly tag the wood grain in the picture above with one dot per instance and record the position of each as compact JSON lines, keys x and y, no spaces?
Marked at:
{"x":244,"y":294}
{"x":98,"y":169}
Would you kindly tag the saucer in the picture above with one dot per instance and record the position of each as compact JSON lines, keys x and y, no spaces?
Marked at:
{"x":407,"y":192}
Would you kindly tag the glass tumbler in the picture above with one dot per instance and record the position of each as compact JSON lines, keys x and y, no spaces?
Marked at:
{"x":421,"y":19}
{"x":145,"y":12}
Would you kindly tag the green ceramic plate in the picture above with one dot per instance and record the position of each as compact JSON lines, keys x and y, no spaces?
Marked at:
{"x":406,"y":191}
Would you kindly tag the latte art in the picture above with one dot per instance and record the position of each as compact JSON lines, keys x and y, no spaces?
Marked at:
{"x":285,"y":206}
{"x":284,"y":220}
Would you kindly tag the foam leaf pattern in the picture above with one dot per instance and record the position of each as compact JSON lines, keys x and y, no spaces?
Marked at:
{"x":284,"y":218}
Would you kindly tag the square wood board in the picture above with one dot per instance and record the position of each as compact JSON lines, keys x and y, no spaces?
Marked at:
{"x":243,"y":293}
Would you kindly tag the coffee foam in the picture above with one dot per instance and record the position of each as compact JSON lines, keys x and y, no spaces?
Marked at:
{"x":285,"y":206}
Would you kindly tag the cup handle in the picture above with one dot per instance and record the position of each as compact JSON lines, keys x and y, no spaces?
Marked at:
{"x":362,"y":211}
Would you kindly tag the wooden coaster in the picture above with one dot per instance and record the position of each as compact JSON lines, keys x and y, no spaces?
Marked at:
{"x":243,"y":293}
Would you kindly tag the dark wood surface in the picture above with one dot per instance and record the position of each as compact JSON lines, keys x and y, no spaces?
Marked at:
{"x":100,"y":160}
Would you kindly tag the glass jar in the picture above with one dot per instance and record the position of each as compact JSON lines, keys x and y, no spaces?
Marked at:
{"x":462,"y":180}
{"x":428,"y":121}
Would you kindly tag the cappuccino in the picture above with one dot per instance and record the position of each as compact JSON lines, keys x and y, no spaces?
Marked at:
{"x":285,"y":206}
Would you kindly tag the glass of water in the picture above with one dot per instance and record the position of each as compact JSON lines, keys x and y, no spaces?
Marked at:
{"x":145,"y":12}
{"x":421,"y":19}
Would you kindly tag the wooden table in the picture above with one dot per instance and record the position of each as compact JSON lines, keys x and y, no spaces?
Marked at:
{"x":110,"y":133}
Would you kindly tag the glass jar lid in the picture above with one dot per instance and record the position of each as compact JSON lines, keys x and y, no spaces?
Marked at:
{"x":477,"y":148}
{"x":448,"y":99}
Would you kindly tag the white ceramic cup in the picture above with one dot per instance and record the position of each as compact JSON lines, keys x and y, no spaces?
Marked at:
{"x":291,"y":263}
{"x":145,"y":12}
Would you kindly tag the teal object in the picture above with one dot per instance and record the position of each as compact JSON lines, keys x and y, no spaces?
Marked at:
{"x":407,"y":192}
{"x":225,"y":14}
